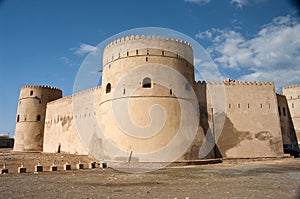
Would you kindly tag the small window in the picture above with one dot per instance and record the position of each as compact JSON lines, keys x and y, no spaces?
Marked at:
{"x":127,"y":53}
{"x":291,"y":97}
{"x":279,"y":111}
{"x":137,"y":52}
{"x":147,"y":82}
{"x":38,"y":118}
{"x":292,"y":105}
{"x":40,"y":101}
{"x":269,"y":106}
{"x":124,"y":91}
{"x":31,"y":92}
{"x":261,"y":105}
{"x":163,"y":53}
{"x":283,"y":110}
{"x":248,"y":106}
{"x":239,"y":106}
{"x":18,"y":118}
{"x":108,"y":88}
{"x":147,"y":51}
{"x":171,"y":92}
{"x":146,"y":59}
{"x":119,"y":55}
{"x":229,"y":105}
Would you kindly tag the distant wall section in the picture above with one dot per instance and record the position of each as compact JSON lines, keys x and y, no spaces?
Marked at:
{"x":249,"y":126}
{"x":292,"y":94}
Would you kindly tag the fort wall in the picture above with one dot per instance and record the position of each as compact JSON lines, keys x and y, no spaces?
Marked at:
{"x":64,"y":121}
{"x":292,"y":94}
{"x":246,"y":121}
{"x":286,"y":123}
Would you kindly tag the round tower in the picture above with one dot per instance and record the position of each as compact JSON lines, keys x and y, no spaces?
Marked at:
{"x":31,"y":113}
{"x":147,"y":92}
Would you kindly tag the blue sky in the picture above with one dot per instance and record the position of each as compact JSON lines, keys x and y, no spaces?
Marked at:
{"x":44,"y":42}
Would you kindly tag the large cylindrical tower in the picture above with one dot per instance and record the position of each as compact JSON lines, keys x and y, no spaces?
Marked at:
{"x":31,"y":113}
{"x":147,"y":86}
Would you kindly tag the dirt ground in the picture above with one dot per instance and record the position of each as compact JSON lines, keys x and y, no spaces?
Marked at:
{"x":279,"y":178}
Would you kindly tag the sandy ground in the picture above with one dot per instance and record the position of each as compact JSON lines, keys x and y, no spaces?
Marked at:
{"x":278,"y":178}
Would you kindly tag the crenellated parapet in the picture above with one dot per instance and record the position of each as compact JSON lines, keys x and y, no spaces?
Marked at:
{"x":296,"y":87}
{"x":143,"y":37}
{"x":40,"y":87}
{"x":231,"y":82}
{"x":147,"y":45}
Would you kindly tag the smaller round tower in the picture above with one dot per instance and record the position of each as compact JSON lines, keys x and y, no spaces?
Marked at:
{"x":31,"y":113}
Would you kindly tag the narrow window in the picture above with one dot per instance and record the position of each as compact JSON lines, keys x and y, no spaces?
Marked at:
{"x":279,"y":111}
{"x":163,"y":53}
{"x":127,"y":53}
{"x":147,"y":51}
{"x":248,"y":106}
{"x":112,"y":58}
{"x":124,"y":91}
{"x":108,"y":88}
{"x":146,"y":59}
{"x":291,"y":97}
{"x":18,"y":118}
{"x":171,"y":92}
{"x":31,"y":92}
{"x":292,"y":105}
{"x":239,"y":106}
{"x":38,"y":118}
{"x":137,"y":52}
{"x":229,"y":105}
{"x":147,"y":82}
{"x":40,"y":101}
{"x":119,"y":55}
{"x":109,"y":66}
{"x":269,"y":106}
{"x":283,"y":110}
{"x":261,"y":106}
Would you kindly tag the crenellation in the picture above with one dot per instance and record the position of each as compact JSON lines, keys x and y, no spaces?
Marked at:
{"x":291,"y":87}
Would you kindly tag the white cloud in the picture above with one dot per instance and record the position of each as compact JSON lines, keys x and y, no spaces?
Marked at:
{"x":239,"y":3}
{"x":84,"y":49}
{"x":273,"y":54}
{"x":67,"y":61}
{"x":198,"y":2}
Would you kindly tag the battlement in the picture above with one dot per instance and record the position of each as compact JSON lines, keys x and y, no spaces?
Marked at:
{"x":128,"y":46}
{"x":78,"y":94}
{"x":229,"y":82}
{"x":292,"y":87}
{"x":41,"y":86}
{"x":143,"y":37}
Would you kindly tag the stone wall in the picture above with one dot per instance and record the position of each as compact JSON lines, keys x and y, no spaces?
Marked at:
{"x":66,"y":118}
{"x":286,"y":123}
{"x":292,"y":94}
{"x":246,"y":122}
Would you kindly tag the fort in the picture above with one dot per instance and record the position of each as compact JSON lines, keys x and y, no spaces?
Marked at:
{"x":233,"y":119}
